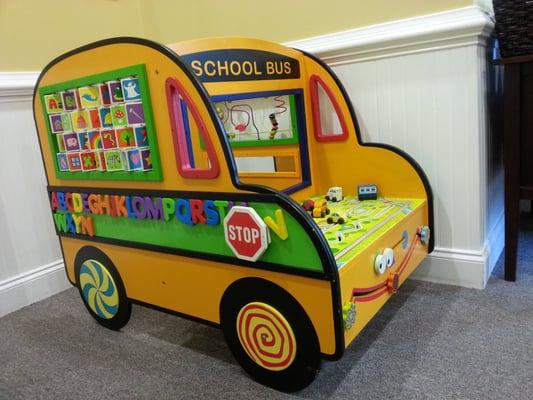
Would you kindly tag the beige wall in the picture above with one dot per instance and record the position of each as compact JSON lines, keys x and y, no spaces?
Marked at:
{"x":32,"y":32}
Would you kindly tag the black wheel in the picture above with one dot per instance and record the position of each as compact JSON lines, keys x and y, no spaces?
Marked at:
{"x":270,"y":335}
{"x":327,"y":211}
{"x":326,"y":197}
{"x":329,"y":220}
{"x":341,"y":221}
{"x":101,"y":288}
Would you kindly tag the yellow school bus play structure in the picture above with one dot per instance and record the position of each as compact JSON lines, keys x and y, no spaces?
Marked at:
{"x":191,"y":179}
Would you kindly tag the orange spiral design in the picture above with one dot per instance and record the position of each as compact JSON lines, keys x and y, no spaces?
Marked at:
{"x":266,"y":336}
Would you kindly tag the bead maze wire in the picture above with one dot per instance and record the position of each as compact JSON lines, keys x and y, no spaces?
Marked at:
{"x":262,"y":118}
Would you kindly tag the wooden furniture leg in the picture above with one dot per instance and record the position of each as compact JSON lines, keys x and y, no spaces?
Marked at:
{"x":512,"y":166}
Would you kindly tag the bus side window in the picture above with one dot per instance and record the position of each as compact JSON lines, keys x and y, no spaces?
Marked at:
{"x":195,"y":154}
{"x":329,"y":122}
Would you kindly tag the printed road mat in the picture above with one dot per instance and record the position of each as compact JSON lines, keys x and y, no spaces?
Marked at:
{"x":364,"y":222}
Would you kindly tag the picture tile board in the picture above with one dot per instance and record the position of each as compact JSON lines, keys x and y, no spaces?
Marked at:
{"x":101,"y":126}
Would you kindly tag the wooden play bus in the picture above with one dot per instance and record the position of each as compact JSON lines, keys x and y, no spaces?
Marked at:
{"x":176,"y":177}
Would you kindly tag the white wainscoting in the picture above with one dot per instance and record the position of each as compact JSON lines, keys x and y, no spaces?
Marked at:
{"x":417,"y":83}
{"x":31,"y":265}
{"x":420,"y":84}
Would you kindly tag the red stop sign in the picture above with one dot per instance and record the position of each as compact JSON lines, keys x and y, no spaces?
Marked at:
{"x":246,"y":233}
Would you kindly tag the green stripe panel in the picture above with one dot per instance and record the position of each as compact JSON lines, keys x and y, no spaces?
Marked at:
{"x":297,"y":251}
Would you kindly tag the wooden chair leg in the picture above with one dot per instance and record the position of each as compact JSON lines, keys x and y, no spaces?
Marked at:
{"x":512,"y":220}
{"x":511,"y":159}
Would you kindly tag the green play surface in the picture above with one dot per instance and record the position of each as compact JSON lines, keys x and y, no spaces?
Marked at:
{"x":365,"y":222}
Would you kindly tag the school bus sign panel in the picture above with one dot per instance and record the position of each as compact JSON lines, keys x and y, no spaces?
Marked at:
{"x":227,"y":65}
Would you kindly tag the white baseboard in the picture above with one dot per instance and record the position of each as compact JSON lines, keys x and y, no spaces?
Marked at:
{"x":22,"y":290}
{"x":453,"y":267}
{"x":466,"y":268}
{"x":495,"y":244}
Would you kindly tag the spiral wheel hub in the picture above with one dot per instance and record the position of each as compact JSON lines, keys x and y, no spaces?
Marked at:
{"x":266,"y":336}
{"x":99,"y":289}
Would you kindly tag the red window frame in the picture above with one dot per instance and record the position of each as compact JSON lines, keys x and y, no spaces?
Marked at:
{"x":176,"y":91}
{"x":314,"y":81}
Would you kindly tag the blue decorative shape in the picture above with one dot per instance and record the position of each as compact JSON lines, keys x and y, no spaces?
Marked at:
{"x":405,"y":239}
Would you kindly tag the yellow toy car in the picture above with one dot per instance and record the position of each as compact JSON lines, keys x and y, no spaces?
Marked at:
{"x":321,"y":209}
{"x":336,"y":218}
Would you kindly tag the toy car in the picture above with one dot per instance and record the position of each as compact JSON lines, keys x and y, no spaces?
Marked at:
{"x":367,"y":192}
{"x":308,"y":205}
{"x":320,"y":209}
{"x":334,"y":194}
{"x":336,"y":218}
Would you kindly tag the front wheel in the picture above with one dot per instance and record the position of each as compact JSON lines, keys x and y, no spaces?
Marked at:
{"x":270,"y":335}
{"x":101,"y":288}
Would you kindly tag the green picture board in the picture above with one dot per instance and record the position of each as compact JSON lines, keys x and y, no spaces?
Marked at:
{"x":110,"y":117}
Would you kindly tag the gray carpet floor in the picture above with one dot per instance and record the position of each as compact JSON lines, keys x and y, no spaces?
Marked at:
{"x":429,"y":342}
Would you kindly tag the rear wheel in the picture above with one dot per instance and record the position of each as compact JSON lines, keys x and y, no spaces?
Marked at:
{"x":101,"y":288}
{"x":270,"y":335}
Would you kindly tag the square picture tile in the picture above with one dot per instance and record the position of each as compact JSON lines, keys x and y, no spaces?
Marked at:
{"x":83,"y":139}
{"x":88,"y":160}
{"x":109,"y":139}
{"x":132,"y":159}
{"x":80,"y":120}
{"x":95,"y":140}
{"x":53,"y":103}
{"x":56,"y":123}
{"x":131,"y":89}
{"x":72,"y":142}
{"x":105,"y":117}
{"x":115,"y":91}
{"x":74,"y":161}
{"x":141,"y":136}
{"x":62,"y":161}
{"x":125,"y":137}
{"x":61,"y":142}
{"x":113,"y":160}
{"x":70,"y":102}
{"x":89,"y":96}
{"x":94,"y":116}
{"x":118,"y":114}
{"x":104,"y":94}
{"x":135,"y":113}
{"x":146,"y":160}
{"x":66,"y":122}
{"x":100,"y":161}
